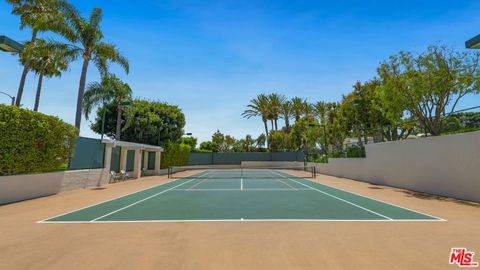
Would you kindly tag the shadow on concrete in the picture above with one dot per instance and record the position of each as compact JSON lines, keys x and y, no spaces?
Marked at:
{"x":427,"y":196}
{"x":98,"y":188}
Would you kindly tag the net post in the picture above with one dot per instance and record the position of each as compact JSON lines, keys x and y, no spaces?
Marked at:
{"x":314,"y":172}
{"x":169,"y":172}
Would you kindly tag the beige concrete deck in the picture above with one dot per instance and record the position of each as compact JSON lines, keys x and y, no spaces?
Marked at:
{"x":25,"y":244}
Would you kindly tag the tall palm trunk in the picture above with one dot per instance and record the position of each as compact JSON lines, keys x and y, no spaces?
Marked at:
{"x":25,"y":71}
{"x":266,"y":131}
{"x":39,"y":90}
{"x":359,"y":137}
{"x":81,"y":90}
{"x":276,"y":124}
{"x":119,"y":123}
{"x":297,"y":117}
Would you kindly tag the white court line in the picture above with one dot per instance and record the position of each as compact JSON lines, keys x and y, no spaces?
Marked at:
{"x":244,"y":189}
{"x":271,"y":172}
{"x":392,"y":204}
{"x":198,"y":183}
{"x":247,"y":220}
{"x":109,"y":200}
{"x":338,"y":198}
{"x":243,"y":220}
{"x":142,"y":200}
{"x":210,"y":173}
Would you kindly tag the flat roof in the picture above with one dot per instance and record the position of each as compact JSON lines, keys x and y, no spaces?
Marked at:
{"x":473,"y":43}
{"x":132,"y":145}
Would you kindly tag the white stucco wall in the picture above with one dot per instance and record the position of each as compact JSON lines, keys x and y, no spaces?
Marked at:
{"x":444,"y":165}
{"x":272,"y":164}
{"x":28,"y":186}
{"x":80,"y":179}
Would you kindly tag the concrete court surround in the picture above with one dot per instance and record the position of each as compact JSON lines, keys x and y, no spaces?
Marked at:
{"x":26,"y":244}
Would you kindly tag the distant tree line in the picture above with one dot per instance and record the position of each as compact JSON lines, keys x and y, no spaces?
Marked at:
{"x":410,"y":94}
{"x":227,"y":143}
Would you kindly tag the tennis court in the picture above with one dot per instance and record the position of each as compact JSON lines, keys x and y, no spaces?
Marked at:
{"x":234,"y":193}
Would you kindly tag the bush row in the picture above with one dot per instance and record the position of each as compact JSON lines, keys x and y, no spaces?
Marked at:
{"x":33,"y":142}
{"x":175,"y":155}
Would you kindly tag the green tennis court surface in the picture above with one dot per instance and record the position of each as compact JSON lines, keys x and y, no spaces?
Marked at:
{"x":216,"y":195}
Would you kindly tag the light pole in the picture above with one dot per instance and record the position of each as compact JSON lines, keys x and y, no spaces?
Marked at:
{"x":12,"y":97}
{"x":381,"y":126}
{"x":324,"y":137}
{"x":171,"y":126}
{"x":361,"y":102}
{"x":105,"y":105}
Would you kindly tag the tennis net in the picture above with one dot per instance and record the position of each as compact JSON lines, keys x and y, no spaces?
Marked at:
{"x":241,"y":171}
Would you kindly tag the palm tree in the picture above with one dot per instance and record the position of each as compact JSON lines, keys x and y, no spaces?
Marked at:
{"x":308,"y":109}
{"x":275,"y":102}
{"x":298,"y":107}
{"x":111,"y":90}
{"x":249,"y":142}
{"x":320,"y":109}
{"x":89,"y":35}
{"x":259,"y":107}
{"x":260,"y":142}
{"x":47,"y":58}
{"x":286,"y":112}
{"x":40,"y":16}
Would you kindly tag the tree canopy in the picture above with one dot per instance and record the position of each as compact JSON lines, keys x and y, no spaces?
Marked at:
{"x":149,"y":122}
{"x":429,"y":84}
{"x":226,"y":143}
{"x":412,"y":94}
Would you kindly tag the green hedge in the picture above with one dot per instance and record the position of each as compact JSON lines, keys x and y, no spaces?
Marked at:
{"x":201,"y":151}
{"x":32,"y":142}
{"x":175,"y":155}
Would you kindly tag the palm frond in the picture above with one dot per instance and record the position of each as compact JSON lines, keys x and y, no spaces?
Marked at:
{"x":95,"y":17}
{"x":105,"y":53}
{"x":48,"y":57}
{"x":123,"y":62}
{"x":110,"y":89}
{"x":102,"y":65}
{"x":91,"y":97}
{"x":74,"y":19}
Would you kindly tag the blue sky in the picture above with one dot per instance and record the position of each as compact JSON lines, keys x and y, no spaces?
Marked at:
{"x":211,"y":57}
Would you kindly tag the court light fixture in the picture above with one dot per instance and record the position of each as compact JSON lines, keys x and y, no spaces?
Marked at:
{"x":10,"y":45}
{"x":105,"y":105}
{"x":473,"y":43}
{"x":11,"y":97}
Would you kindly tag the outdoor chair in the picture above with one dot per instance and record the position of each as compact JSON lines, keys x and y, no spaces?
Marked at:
{"x":113,"y":177}
{"x":123,"y":175}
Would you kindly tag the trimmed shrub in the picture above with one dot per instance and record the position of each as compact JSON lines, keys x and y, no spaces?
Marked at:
{"x":201,"y":151}
{"x":32,"y":142}
{"x":175,"y":155}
